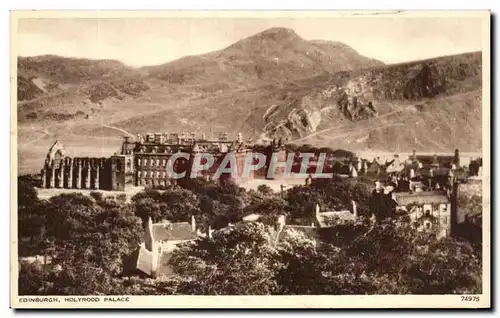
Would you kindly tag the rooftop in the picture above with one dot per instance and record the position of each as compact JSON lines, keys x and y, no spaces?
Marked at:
{"x":428,"y":197}
{"x":344,"y":215}
{"x":173,"y":232}
{"x":309,"y":232}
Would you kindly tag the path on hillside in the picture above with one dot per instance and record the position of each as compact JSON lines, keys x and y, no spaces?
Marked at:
{"x":350,"y":125}
{"x":118,"y":129}
{"x":44,"y":132}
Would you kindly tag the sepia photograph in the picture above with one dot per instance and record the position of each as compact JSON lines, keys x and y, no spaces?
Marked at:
{"x":297,"y":159}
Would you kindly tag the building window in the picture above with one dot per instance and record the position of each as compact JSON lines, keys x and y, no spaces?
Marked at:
{"x":158,"y":162}
{"x":139,"y":162}
{"x":445,"y":220}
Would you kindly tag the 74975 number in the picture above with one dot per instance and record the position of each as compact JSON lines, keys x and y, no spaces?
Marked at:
{"x":470,"y":298}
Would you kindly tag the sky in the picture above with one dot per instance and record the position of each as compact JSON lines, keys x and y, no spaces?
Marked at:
{"x":150,"y":41}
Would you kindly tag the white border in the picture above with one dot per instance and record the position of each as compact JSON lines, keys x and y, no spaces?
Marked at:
{"x":257,"y":4}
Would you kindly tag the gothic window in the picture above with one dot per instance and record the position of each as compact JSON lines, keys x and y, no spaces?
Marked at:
{"x":58,"y":155}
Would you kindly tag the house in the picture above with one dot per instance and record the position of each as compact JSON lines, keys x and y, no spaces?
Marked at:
{"x":394,"y":166}
{"x":322,"y":218}
{"x":283,"y":230}
{"x":160,"y":240}
{"x":429,"y":210}
{"x":375,"y":168}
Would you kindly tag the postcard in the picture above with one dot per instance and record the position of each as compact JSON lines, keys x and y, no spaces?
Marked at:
{"x":250,"y":159}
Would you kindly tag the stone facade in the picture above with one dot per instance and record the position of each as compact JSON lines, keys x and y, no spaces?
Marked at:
{"x":143,"y":162}
{"x":60,"y":171}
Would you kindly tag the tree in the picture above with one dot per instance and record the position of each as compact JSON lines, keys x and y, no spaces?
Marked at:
{"x":89,"y":241}
{"x":33,"y":279}
{"x":300,"y":272}
{"x":444,"y":267}
{"x":174,"y":204}
{"x":236,"y":261}
{"x":27,"y":195}
{"x":265,"y":190}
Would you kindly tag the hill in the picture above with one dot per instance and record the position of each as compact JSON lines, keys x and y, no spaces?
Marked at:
{"x":272,"y":84}
{"x":54,"y":88}
{"x":412,"y":88}
{"x":276,"y":56}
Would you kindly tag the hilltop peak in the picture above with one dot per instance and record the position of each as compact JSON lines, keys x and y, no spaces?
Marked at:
{"x":277,"y":32}
{"x":271,"y":36}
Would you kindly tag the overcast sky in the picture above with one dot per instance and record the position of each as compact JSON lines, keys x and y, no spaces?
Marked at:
{"x":140,"y":41}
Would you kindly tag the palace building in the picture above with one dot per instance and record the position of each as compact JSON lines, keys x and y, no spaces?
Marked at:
{"x":144,"y":162}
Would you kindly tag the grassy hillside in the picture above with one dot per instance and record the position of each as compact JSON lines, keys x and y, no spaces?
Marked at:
{"x":276,"y":56}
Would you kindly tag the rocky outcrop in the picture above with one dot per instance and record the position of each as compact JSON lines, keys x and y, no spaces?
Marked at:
{"x":304,"y":116}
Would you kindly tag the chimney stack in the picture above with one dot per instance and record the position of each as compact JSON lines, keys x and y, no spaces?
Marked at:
{"x":456,"y":159}
{"x":148,"y":235}
{"x":354,"y":173}
{"x":281,"y":223}
{"x":354,"y":208}
{"x":209,"y":232}
{"x":193,"y":223}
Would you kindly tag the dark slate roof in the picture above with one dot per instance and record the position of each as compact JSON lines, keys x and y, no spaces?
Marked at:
{"x":173,"y":232}
{"x":428,"y":197}
{"x":442,"y":160}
